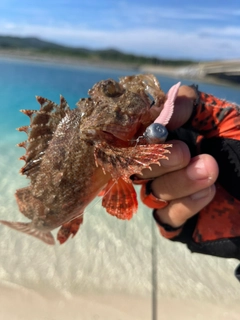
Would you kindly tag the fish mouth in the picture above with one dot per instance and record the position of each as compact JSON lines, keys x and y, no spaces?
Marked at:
{"x":123,"y":133}
{"x":116,"y":140}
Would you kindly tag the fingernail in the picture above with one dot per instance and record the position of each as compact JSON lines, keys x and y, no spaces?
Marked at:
{"x":197,"y":170}
{"x":203,"y":193}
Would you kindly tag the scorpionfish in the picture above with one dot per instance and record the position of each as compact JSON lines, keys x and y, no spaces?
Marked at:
{"x":73,"y":155}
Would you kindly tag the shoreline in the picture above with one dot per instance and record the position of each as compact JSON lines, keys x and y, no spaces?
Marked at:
{"x":183,"y":72}
{"x":63,"y":60}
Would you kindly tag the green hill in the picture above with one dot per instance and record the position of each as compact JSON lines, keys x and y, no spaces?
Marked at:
{"x":38,"y":46}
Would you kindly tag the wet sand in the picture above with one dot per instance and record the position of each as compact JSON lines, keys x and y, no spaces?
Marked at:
{"x":23,"y":304}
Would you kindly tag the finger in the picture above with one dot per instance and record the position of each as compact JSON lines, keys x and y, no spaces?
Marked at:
{"x":180,"y":210}
{"x":177,"y":159}
{"x":201,"y":173}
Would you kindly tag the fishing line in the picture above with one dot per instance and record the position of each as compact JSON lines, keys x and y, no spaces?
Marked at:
{"x":96,"y":202}
{"x":154,"y":262}
{"x":154,"y":279}
{"x":93,"y":204}
{"x":154,"y":272}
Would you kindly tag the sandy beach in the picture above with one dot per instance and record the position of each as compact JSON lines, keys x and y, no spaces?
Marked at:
{"x":22,"y":304}
{"x":105,"y":273}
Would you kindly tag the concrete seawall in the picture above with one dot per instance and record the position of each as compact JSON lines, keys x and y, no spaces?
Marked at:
{"x":227,"y":71}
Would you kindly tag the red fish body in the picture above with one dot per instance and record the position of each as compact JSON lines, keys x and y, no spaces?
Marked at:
{"x":73,"y":155}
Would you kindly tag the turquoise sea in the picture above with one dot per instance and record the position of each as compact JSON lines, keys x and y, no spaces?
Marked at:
{"x":108,"y":257}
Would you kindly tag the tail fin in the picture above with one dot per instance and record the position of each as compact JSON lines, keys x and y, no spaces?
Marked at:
{"x":46,"y":237}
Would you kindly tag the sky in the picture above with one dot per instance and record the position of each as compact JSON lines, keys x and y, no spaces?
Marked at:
{"x":200,"y":30}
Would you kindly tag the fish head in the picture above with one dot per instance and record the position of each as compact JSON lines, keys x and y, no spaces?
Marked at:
{"x":115,"y":111}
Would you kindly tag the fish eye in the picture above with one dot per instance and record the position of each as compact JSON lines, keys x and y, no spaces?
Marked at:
{"x":112,"y":89}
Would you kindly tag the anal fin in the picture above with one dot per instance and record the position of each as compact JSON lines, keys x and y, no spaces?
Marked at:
{"x":46,"y":237}
{"x":69,"y":228}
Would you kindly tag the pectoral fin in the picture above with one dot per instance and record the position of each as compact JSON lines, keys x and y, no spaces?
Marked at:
{"x":124,"y":162}
{"x":120,"y":199}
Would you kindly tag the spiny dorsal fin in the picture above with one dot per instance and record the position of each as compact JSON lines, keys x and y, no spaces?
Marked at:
{"x":22,"y":144}
{"x":43,"y":124}
{"x":28,"y":113}
{"x":23,"y":128}
{"x":22,"y":158}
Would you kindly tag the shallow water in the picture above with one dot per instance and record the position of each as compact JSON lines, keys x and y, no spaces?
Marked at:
{"x":107,"y":256}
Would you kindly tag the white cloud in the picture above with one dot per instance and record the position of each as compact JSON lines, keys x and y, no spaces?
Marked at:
{"x":159,"y":42}
{"x":154,"y":14}
{"x":9,"y":26}
{"x":228,"y":31}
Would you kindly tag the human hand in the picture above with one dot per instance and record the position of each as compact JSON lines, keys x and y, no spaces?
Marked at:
{"x":187,"y":184}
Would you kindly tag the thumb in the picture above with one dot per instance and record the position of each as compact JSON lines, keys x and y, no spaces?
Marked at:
{"x":183,"y":107}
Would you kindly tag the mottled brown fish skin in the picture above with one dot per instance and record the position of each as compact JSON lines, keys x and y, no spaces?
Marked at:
{"x":68,"y":178}
{"x":71,"y":155}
